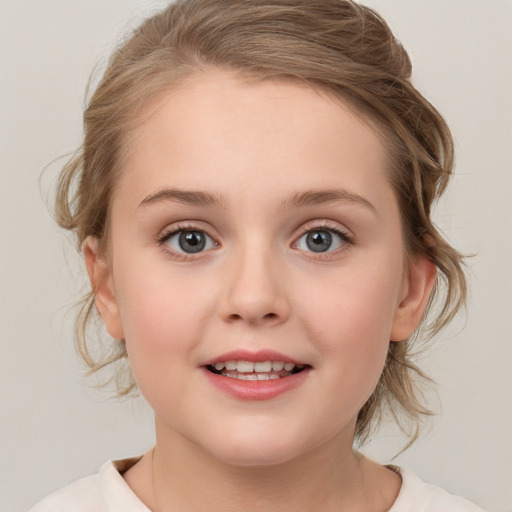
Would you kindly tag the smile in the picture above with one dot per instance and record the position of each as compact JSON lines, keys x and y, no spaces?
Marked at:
{"x":249,"y":370}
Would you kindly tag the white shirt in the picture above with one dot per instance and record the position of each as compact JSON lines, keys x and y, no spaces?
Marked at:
{"x":108,"y":492}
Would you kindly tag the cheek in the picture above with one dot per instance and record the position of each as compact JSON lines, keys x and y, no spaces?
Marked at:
{"x":357,"y":306}
{"x":161,"y":332}
{"x":351,"y":321}
{"x":162,"y":316}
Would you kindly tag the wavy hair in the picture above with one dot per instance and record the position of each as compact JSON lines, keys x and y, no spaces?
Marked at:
{"x":335,"y":46}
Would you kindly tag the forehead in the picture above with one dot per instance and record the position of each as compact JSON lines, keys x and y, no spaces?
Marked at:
{"x":218,"y":130}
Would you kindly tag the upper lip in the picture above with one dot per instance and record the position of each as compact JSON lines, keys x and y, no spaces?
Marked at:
{"x":254,"y":356}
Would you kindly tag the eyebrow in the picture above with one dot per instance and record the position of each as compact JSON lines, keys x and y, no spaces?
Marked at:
{"x":316,"y":197}
{"x":190,"y":197}
{"x":297,"y":200}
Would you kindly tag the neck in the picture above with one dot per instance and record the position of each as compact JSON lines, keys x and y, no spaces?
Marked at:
{"x":178,"y":475}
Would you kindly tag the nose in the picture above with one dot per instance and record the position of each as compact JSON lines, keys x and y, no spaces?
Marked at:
{"x":253,"y":289}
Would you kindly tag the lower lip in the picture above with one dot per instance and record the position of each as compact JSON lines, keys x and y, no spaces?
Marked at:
{"x":256,"y":389}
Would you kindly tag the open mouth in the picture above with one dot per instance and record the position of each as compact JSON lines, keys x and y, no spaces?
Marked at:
{"x":249,"y":370}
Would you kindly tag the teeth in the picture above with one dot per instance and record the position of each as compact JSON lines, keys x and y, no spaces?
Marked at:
{"x":252,"y":376}
{"x":277,"y":366}
{"x":249,"y":370}
{"x":263,"y":367}
{"x":244,"y":366}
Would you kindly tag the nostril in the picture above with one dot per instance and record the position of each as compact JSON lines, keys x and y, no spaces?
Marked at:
{"x":268,"y":316}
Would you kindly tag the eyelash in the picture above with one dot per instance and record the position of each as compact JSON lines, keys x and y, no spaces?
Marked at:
{"x":167,"y":234}
{"x":348,"y":239}
{"x":174,"y":230}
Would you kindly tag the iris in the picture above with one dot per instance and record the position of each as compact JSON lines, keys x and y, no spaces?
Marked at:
{"x":319,"y":241}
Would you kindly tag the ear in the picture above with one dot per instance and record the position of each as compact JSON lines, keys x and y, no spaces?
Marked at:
{"x":100,"y":275}
{"x":416,"y":289}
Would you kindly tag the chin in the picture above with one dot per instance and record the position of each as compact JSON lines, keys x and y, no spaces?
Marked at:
{"x":256,"y":448}
{"x":255,"y":458}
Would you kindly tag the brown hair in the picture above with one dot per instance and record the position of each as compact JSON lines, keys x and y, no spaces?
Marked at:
{"x":336,"y":46}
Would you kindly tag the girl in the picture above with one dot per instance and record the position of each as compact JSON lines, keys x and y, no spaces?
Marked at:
{"x":253,"y":200}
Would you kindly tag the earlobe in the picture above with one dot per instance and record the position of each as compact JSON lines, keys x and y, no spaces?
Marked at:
{"x":100,"y":276}
{"x":418,"y":285}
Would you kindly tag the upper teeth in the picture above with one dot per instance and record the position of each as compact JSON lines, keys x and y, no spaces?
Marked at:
{"x":250,"y":366}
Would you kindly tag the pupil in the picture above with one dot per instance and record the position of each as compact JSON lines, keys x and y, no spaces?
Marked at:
{"x":319,"y":241}
{"x":192,"y":241}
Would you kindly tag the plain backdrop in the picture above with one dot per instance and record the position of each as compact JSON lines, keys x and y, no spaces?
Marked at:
{"x":54,"y":429}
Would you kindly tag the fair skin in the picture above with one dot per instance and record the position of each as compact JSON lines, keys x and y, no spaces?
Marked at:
{"x":294,"y":254}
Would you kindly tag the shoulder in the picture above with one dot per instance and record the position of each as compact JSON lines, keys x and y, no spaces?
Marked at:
{"x":80,"y":496}
{"x":104,"y":492}
{"x":418,"y":496}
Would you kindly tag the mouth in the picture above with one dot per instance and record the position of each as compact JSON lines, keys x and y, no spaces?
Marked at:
{"x":255,"y":371}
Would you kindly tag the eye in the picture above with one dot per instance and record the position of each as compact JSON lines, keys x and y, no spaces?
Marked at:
{"x":321,"y":240}
{"x":189,"y":241}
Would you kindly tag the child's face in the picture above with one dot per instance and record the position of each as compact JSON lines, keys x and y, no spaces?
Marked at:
{"x":290,"y":250}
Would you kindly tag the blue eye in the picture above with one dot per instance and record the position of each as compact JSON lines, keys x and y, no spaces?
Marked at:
{"x":321,"y":240}
{"x":189,"y":241}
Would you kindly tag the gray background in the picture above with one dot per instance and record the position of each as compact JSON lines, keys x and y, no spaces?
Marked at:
{"x":54,"y":429}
